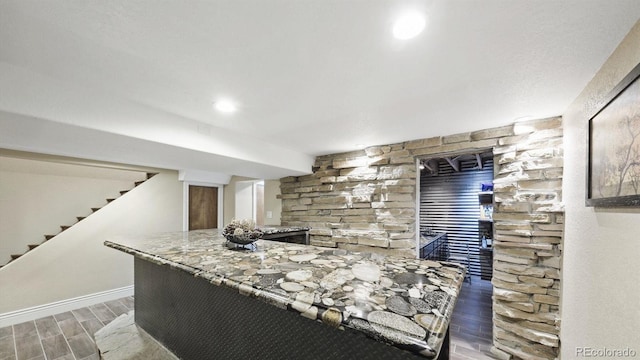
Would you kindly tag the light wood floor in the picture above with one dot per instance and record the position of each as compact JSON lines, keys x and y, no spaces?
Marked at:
{"x":69,"y":336}
{"x":65,"y":336}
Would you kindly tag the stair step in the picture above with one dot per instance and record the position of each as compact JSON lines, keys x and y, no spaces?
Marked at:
{"x":124,"y":192}
{"x":48,"y":237}
{"x":137,"y":183}
{"x":64,"y":227}
{"x":150,"y":175}
{"x":95,"y":209}
{"x":15,"y":256}
{"x":110,"y":200}
{"x":33,"y":246}
{"x":80,"y":218}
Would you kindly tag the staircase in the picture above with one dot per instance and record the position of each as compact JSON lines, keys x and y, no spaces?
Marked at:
{"x":79,"y":218}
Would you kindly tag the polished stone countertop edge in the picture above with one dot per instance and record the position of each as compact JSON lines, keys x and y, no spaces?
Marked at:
{"x":277,"y":229}
{"x":215,"y":279}
{"x":158,"y":260}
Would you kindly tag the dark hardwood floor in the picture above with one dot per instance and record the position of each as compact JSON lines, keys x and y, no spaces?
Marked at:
{"x":471,"y":324}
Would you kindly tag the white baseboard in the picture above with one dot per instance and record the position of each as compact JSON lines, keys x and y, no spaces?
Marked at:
{"x":36,"y":312}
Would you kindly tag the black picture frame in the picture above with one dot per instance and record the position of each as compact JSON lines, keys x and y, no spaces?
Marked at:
{"x":613,"y":163}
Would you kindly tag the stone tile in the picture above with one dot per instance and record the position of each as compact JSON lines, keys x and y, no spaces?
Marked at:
{"x":71,"y":327}
{"x":83,"y":314}
{"x":55,"y":347}
{"x":459,"y":357}
{"x":28,"y":347}
{"x":470,"y":340}
{"x":67,"y":357}
{"x":91,"y":326}
{"x":6,"y":331}
{"x":65,"y":336}
{"x":117,"y":307}
{"x":47,"y":327}
{"x":95,"y":356}
{"x":7,"y":347}
{"x":82,"y":346}
{"x":128,"y":302}
{"x":461,"y":352}
{"x":64,"y":316}
{"x":103,"y":313}
{"x":25,"y":329}
{"x":472,"y":324}
{"x":122,"y":339}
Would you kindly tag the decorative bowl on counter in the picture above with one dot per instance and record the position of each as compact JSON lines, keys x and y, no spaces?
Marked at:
{"x":242,"y":240}
{"x":242,"y":232}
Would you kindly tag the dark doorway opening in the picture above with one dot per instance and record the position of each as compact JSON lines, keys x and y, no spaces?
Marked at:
{"x":456,"y":199}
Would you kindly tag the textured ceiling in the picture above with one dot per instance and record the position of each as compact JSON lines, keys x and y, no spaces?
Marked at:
{"x":311,"y":77}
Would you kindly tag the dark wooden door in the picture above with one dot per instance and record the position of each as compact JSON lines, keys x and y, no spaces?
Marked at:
{"x":203,"y":207}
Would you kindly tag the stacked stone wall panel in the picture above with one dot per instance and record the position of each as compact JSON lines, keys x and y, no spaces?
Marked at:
{"x":365,"y":200}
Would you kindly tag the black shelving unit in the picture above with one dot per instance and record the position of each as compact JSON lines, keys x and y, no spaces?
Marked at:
{"x":485,"y":234}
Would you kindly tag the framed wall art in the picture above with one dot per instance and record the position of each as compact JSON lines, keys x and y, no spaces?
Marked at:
{"x":613,"y":164}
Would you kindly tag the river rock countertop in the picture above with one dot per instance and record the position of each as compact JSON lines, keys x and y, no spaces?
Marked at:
{"x":268,"y":230}
{"x":405,"y":302}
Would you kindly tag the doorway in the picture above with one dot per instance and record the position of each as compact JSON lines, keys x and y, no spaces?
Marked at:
{"x":203,"y":207}
{"x":455,"y":199}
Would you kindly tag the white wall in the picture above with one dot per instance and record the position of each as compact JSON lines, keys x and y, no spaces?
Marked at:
{"x":76,"y":263}
{"x":36,"y":197}
{"x":271,"y":202}
{"x":230,"y":198}
{"x":601,"y":271}
{"x":244,"y":200}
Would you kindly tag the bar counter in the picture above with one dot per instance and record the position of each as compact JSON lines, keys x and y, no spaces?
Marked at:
{"x":197,"y":293}
{"x":290,"y":234}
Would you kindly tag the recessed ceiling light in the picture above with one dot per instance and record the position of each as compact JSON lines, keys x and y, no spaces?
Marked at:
{"x":408,"y":26}
{"x":225,"y":106}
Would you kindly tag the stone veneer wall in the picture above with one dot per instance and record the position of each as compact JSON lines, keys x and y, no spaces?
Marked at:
{"x":366,"y":200}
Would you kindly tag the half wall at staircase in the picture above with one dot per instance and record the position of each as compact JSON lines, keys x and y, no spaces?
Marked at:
{"x":75,"y":263}
{"x":40,"y":198}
